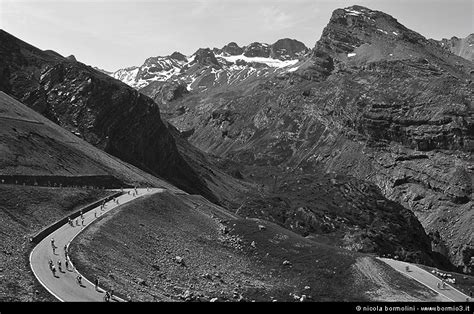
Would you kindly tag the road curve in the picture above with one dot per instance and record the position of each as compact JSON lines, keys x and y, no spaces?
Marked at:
{"x":65,"y":288}
{"x":64,"y":285}
{"x":449,"y":293}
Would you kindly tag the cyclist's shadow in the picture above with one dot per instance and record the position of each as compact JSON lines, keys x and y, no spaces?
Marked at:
{"x":80,"y":284}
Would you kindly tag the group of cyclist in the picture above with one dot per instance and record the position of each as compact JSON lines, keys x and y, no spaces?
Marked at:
{"x":108,"y":294}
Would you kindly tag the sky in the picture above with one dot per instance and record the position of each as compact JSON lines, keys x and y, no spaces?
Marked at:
{"x":114,"y":34}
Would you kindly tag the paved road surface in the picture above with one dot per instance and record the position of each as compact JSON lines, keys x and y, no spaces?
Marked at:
{"x":448,"y":293}
{"x":64,"y":285}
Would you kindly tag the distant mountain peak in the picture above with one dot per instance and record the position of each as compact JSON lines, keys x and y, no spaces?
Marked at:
{"x":178,"y":56}
{"x":359,"y":33}
{"x":205,"y":56}
{"x":232,"y":49}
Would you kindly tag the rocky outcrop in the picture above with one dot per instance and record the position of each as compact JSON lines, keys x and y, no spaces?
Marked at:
{"x":343,"y":211}
{"x":178,"y":56}
{"x":463,"y":47}
{"x":205,"y":57}
{"x":286,"y":49}
{"x":232,"y":49}
{"x":257,"y":50}
{"x":164,"y":92}
{"x":71,"y":58}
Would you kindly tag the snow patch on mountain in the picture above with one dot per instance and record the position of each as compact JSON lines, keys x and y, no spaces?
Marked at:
{"x":211,"y":67}
{"x":274,"y":63}
{"x":127,"y":75}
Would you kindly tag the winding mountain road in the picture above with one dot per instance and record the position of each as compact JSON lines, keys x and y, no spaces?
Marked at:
{"x":448,"y":293}
{"x":64,"y":285}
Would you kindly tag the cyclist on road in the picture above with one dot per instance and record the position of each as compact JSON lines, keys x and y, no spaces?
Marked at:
{"x":53,"y":246}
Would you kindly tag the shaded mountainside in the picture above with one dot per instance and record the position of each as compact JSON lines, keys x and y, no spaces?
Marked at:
{"x":374,"y":100}
{"x":344,"y":212}
{"x":103,"y":111}
{"x":35,"y":150}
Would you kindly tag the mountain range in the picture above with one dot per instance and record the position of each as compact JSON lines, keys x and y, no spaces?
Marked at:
{"x":363,"y":142}
{"x":372,"y":99}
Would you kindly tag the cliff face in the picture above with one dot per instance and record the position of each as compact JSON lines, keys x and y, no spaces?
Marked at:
{"x":463,"y":47}
{"x":374,"y":100}
{"x":103,"y":111}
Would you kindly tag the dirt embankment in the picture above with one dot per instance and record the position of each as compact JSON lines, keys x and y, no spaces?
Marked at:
{"x":384,"y":286}
{"x":164,"y":248}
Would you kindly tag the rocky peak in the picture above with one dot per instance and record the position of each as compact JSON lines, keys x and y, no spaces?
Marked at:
{"x":353,"y":26}
{"x":205,"y":56}
{"x":178,"y":56}
{"x":286,"y":48}
{"x":232,"y":49}
{"x":257,"y":50}
{"x":72,"y":58}
{"x":358,"y":33}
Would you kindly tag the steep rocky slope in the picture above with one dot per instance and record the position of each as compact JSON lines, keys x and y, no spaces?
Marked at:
{"x":463,"y":47}
{"x":101,"y":110}
{"x":374,"y":100}
{"x":33,"y":147}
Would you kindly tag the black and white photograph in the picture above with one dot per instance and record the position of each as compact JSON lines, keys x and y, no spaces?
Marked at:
{"x":237,"y":151}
